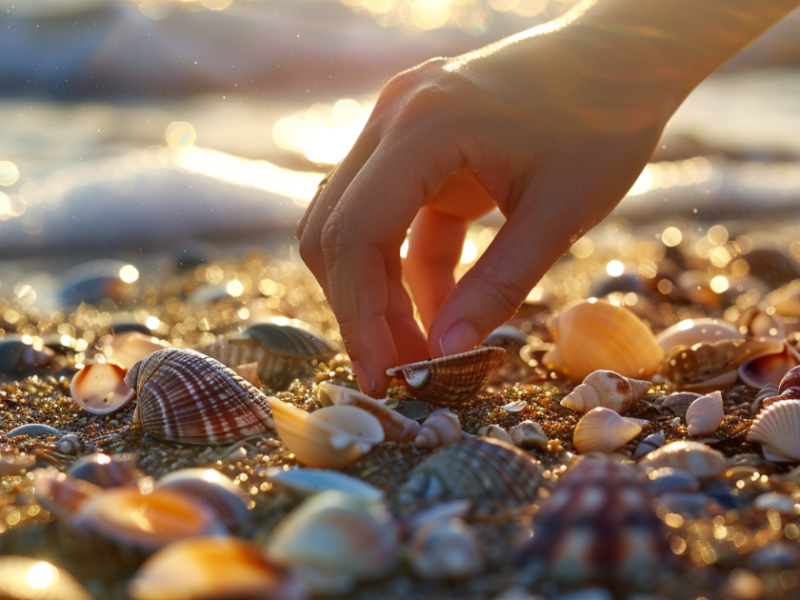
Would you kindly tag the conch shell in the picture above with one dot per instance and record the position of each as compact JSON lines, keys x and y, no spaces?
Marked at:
{"x":598,"y":335}
{"x":439,"y":429}
{"x":608,"y":389}
{"x":603,"y":430}
{"x":705,"y":414}
{"x":777,"y":428}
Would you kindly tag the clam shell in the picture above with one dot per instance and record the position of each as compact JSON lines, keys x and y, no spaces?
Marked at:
{"x":450,"y":380}
{"x":213,"y":490}
{"x":307,"y":482}
{"x":777,"y":428}
{"x":767,"y":368}
{"x":694,"y":331}
{"x":599,"y":527}
{"x":597,"y":335}
{"x":654,"y":441}
{"x":61,"y":494}
{"x":529,"y":434}
{"x":446,"y":550}
{"x":100,"y":388}
{"x":476,"y":469}
{"x":603,"y":430}
{"x":129,"y":347}
{"x":330,"y":437}
{"x":705,"y":414}
{"x":213,"y":567}
{"x":105,"y":470}
{"x":23,"y":578}
{"x":190,"y":398}
{"x":700,"y":460}
{"x":508,"y":338}
{"x":607,"y":389}
{"x":439,"y":429}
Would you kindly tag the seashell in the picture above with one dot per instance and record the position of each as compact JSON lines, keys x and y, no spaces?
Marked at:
{"x":330,"y":437}
{"x":213,"y":490}
{"x":529,"y":434}
{"x":396,"y":427}
{"x":450,"y":380}
{"x":768,"y":392}
{"x":507,"y":337}
{"x":129,"y":347}
{"x":598,"y":335}
{"x":758,"y":322}
{"x":249,"y":373}
{"x":790,"y":384}
{"x":69,"y":444}
{"x":33,"y":430}
{"x":17,"y":357}
{"x":23,"y":578}
{"x":190,"y":398}
{"x":705,"y":414}
{"x":332,"y":540}
{"x":776,"y":428}
{"x":213,"y":567}
{"x":496,"y":432}
{"x":695,"y":331}
{"x":599,"y":527}
{"x":771,"y":501}
{"x":770,"y":367}
{"x":105,"y":470}
{"x":667,"y":479}
{"x":445,"y":551}
{"x":439,"y":429}
{"x":146,"y":521}
{"x":60,"y":493}
{"x":15,"y":464}
{"x":607,"y":389}
{"x":603,"y":430}
{"x":679,"y":402}
{"x":700,"y":460}
{"x":441,"y":511}
{"x":307,"y":482}
{"x":100,"y":388}
{"x":654,"y":441}
{"x":476,"y":469}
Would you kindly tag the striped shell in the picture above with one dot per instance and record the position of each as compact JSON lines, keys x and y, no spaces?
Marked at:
{"x":450,"y":380}
{"x":654,"y":441}
{"x":607,"y":389}
{"x":599,"y":527}
{"x":477,"y":469}
{"x":187,"y":397}
{"x":603,"y":430}
{"x":777,"y":428}
{"x":705,"y":414}
{"x":700,"y":460}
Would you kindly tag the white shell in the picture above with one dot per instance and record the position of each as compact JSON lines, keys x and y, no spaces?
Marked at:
{"x":439,"y":429}
{"x":603,"y":430}
{"x":100,"y":388}
{"x":495,"y":431}
{"x":699,"y":459}
{"x":330,"y":437}
{"x":529,"y":434}
{"x":705,"y":414}
{"x":307,"y":482}
{"x":445,"y":551}
{"x":608,"y":389}
{"x":777,"y":428}
{"x":129,"y":347}
{"x":693,"y":331}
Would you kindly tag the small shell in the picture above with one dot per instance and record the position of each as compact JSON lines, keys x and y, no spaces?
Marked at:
{"x":104,"y":470}
{"x":679,"y":402}
{"x":213,"y":490}
{"x":603,"y":430}
{"x":100,"y":388}
{"x":529,"y":434}
{"x":654,"y":441}
{"x":705,"y":414}
{"x":129,"y":347}
{"x":667,"y":479}
{"x":439,"y":429}
{"x":16,"y":356}
{"x":396,"y":427}
{"x":507,"y":337}
{"x":700,"y":460}
{"x":213,"y":567}
{"x":23,"y":578}
{"x":790,"y":384}
{"x":598,"y":335}
{"x":770,"y":367}
{"x":15,"y":464}
{"x":146,"y":521}
{"x":694,"y":331}
{"x":445,"y":551}
{"x":496,"y":432}
{"x":777,"y":428}
{"x":307,"y":482}
{"x":190,"y":398}
{"x":450,"y":380}
{"x":330,"y":437}
{"x":69,"y":444}
{"x":608,"y":389}
{"x":61,"y":494}
{"x":477,"y":469}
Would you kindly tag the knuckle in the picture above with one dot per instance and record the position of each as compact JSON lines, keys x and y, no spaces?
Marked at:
{"x":309,"y":247}
{"x":332,"y":236}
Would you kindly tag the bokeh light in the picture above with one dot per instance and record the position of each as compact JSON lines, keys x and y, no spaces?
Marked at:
{"x":719,"y":284}
{"x":9,"y":173}
{"x":671,"y":236}
{"x":615,"y":268}
{"x":129,"y":273}
{"x":180,"y":135}
{"x":42,"y":575}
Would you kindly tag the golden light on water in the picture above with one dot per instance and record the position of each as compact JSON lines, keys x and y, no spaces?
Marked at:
{"x":9,"y":173}
{"x":615,"y":268}
{"x":668,"y":174}
{"x":42,"y":575}
{"x":180,"y":135}
{"x":129,"y":273}
{"x":671,"y":236}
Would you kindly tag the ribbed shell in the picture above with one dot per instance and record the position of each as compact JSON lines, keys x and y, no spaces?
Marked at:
{"x":450,"y":380}
{"x":291,"y":338}
{"x":599,"y":527}
{"x":654,"y":441}
{"x":700,"y":460}
{"x":187,"y":397}
{"x":777,"y":428}
{"x":477,"y":469}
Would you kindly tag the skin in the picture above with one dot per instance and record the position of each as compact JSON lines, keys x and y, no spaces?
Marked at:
{"x":552,"y":126}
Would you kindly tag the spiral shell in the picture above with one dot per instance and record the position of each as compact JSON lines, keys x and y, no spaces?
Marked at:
{"x":529,"y":434}
{"x":694,"y":457}
{"x":100,"y":388}
{"x":695,"y":331}
{"x":705,"y":414}
{"x":450,"y":380}
{"x":477,"y":469}
{"x":495,"y":431}
{"x":598,"y":335}
{"x":439,"y":429}
{"x":445,"y":550}
{"x":187,"y":397}
{"x":603,"y":430}
{"x":777,"y":428}
{"x":607,"y":389}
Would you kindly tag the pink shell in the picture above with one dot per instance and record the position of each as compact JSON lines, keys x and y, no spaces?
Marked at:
{"x":790,"y":384}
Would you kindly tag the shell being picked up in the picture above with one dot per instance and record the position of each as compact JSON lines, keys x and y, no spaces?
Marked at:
{"x":450,"y":380}
{"x":777,"y":428}
{"x":187,"y":397}
{"x":603,"y":430}
{"x":607,"y":389}
{"x":705,"y":414}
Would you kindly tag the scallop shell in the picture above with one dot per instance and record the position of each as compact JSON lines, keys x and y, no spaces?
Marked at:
{"x":450,"y":380}
{"x":599,"y":527}
{"x":396,"y":427}
{"x":439,"y":429}
{"x":597,"y":335}
{"x":445,"y":551}
{"x":129,"y":347}
{"x":607,"y":389}
{"x":476,"y":469}
{"x":23,"y":578}
{"x":61,"y":494}
{"x":777,"y":428}
{"x":496,"y":432}
{"x":700,"y":460}
{"x":330,"y":437}
{"x":105,"y":470}
{"x":100,"y":388}
{"x":766,"y":368}
{"x":705,"y":414}
{"x":694,"y":331}
{"x":603,"y":430}
{"x":529,"y":434}
{"x":213,"y":567}
{"x":213,"y":490}
{"x":654,"y":441}
{"x":190,"y":398}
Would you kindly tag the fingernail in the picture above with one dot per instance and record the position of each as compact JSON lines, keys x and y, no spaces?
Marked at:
{"x":460,"y":338}
{"x":361,"y":374}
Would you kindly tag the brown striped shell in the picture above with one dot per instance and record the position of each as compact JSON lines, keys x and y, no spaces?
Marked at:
{"x":187,"y":397}
{"x":450,"y":380}
{"x":599,"y":527}
{"x":477,"y":469}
